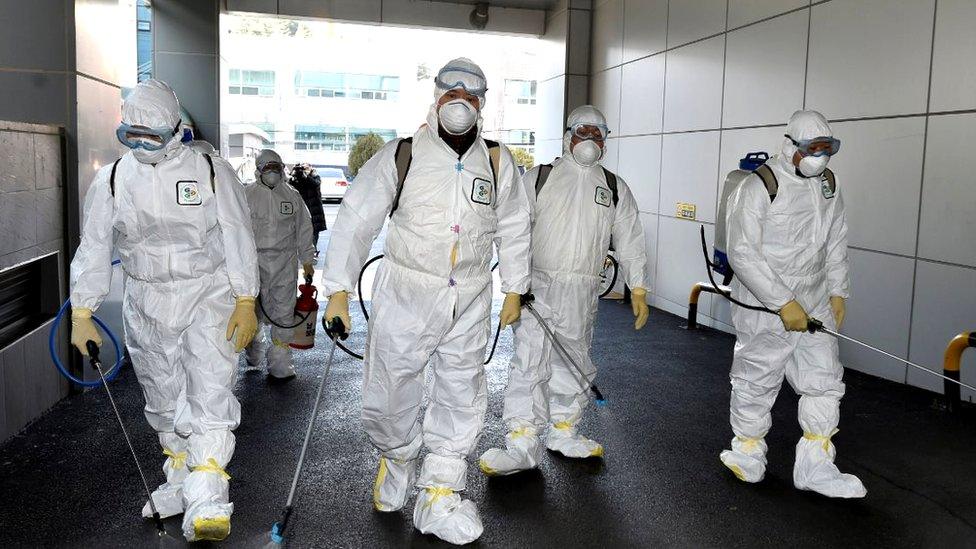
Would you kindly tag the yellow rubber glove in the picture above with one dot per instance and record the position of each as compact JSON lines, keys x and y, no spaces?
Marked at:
{"x":244,"y":322}
{"x":638,"y":302}
{"x":339,"y":307}
{"x":83,"y":329}
{"x":511,"y":309}
{"x":308,"y":269}
{"x":838,"y":306}
{"x":794,"y":317}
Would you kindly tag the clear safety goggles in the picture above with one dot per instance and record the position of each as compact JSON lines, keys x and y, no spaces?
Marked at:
{"x":590,"y":132}
{"x":140,"y":137}
{"x":818,"y":146}
{"x":271,"y":166}
{"x":450,"y":78}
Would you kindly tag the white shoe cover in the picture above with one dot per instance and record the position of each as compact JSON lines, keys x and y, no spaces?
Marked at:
{"x":280,"y":365}
{"x":168,"y":499}
{"x":394,"y":482}
{"x":746,"y":459}
{"x":814,"y":470}
{"x":278,"y":372}
{"x":521,"y":453}
{"x":442,"y":512}
{"x":564,"y":439}
{"x":208,"y":509}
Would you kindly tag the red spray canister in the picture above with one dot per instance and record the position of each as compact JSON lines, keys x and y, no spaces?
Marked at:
{"x":306,"y":307}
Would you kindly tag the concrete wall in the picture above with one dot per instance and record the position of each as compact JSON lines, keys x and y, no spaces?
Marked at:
{"x":690,"y":87}
{"x":185,"y":56}
{"x":31,"y":222}
{"x":59,"y":65}
{"x":565,"y":84}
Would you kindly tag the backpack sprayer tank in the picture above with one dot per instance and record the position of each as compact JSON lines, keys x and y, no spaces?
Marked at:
{"x":720,"y":260}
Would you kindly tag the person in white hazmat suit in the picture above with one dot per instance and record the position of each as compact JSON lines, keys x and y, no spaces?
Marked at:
{"x":432,"y":297}
{"x":283,"y":233}
{"x":575,"y":219}
{"x":180,"y":224}
{"x":789,"y":254}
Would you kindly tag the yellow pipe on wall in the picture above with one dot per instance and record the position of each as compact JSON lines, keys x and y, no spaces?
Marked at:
{"x":953,"y":353}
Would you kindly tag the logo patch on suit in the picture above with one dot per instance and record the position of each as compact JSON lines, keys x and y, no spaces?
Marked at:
{"x":603,"y":197}
{"x":481,"y":191}
{"x":825,"y":187}
{"x":188,"y":193}
{"x":287,"y":208}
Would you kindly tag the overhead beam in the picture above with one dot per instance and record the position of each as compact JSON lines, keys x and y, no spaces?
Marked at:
{"x":413,"y":13}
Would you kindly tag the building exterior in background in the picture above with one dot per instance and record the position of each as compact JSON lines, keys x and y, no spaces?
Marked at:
{"x":144,"y":45}
{"x":314,"y":87}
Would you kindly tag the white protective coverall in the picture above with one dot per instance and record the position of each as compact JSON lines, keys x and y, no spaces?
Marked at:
{"x":187,"y":251}
{"x":431,"y":304}
{"x":574,"y":221}
{"x":794,"y":248}
{"x":283,"y":233}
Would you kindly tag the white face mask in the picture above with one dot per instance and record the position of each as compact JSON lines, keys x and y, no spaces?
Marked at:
{"x":457,"y":116}
{"x":587,"y":153}
{"x":150,"y":157}
{"x":271,"y":179}
{"x":812,"y":166}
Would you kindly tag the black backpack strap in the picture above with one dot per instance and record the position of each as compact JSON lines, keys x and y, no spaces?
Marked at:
{"x":111,"y":178}
{"x":831,"y":180}
{"x":213,"y":175}
{"x":495,"y":160}
{"x":612,"y":183}
{"x":768,"y":178}
{"x":402,"y":158}
{"x":542,"y":177}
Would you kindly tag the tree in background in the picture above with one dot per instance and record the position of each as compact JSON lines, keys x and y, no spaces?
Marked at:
{"x":523,"y":157}
{"x":364,"y":149}
{"x":269,"y":26}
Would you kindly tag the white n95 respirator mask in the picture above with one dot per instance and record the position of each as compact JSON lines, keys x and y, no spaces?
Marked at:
{"x":457,"y":116}
{"x":587,"y":153}
{"x":812,"y":166}
{"x":271,"y":179}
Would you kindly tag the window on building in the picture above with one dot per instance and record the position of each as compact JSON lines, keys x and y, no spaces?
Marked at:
{"x":521,"y":92}
{"x":143,"y":40}
{"x":520,"y":137}
{"x":247,"y":82}
{"x":330,"y":138}
{"x":350,"y":86}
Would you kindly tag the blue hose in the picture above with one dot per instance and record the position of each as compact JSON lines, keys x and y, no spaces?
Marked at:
{"x":52,"y":347}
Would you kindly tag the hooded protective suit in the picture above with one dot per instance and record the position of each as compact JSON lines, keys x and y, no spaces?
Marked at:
{"x":187,"y":251}
{"x":793,"y":248}
{"x":283,"y":233}
{"x":431,"y":304}
{"x":574,"y":221}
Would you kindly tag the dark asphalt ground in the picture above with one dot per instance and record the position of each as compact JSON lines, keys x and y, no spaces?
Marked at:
{"x":68,"y":481}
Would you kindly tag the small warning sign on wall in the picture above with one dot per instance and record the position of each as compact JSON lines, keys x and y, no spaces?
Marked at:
{"x":685,"y":211}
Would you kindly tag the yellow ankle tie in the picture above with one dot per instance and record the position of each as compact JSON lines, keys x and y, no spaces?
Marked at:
{"x":749,"y":444}
{"x":825,"y":439}
{"x":211,"y":466}
{"x":179,"y":458}
{"x":437,"y":493}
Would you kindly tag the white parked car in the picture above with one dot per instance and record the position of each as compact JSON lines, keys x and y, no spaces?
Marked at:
{"x":334,"y":183}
